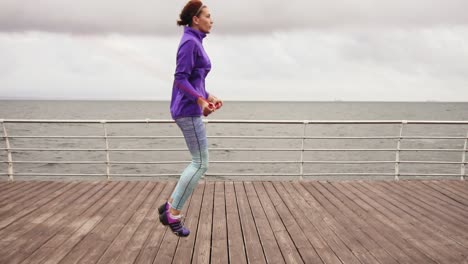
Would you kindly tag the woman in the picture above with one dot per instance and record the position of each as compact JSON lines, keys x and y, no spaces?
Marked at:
{"x":189,"y":101}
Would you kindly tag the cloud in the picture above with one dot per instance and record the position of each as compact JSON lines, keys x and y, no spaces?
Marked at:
{"x":231,"y":17}
{"x":364,"y":65}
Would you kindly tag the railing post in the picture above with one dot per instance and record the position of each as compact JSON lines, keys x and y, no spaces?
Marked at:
{"x":397,"y":154}
{"x":301,"y":177}
{"x":107,"y":150}
{"x":8,"y":150}
{"x":463,"y":165}
{"x":205,"y":122}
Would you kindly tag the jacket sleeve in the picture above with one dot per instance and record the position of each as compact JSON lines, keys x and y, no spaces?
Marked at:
{"x":185,"y":63}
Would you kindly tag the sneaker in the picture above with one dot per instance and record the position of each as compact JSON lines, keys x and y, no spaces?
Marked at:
{"x":163,"y":208}
{"x":176,"y":224}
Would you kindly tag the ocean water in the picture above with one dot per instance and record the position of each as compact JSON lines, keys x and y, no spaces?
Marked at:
{"x":130,"y":110}
{"x":237,"y":110}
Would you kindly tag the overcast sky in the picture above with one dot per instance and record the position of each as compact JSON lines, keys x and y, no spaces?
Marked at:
{"x":358,"y":50}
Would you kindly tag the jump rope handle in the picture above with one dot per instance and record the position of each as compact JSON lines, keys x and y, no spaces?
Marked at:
{"x":211,"y":107}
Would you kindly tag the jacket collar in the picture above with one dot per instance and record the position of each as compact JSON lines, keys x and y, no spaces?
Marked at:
{"x":196,"y":33}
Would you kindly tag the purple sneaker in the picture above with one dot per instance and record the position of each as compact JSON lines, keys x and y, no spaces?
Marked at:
{"x":163,"y":208}
{"x":175,"y":224}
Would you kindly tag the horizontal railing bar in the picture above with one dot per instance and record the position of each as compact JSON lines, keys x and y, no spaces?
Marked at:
{"x":237,"y":161}
{"x":116,"y":150}
{"x":442,"y":150}
{"x":59,"y":174}
{"x":297,"y":174}
{"x":254,"y":174}
{"x":78,"y":121}
{"x":422,"y":137}
{"x":430,"y":174}
{"x":220,"y":121}
{"x":226,"y":137}
{"x":230,"y":137}
{"x":142,"y":175}
{"x":57,"y":162}
{"x":52,"y":149}
{"x":90,"y":174}
{"x":382,"y":174}
{"x":237,"y":174}
{"x":433,"y":162}
{"x":224,"y":149}
{"x":96,"y":137}
{"x":349,"y":174}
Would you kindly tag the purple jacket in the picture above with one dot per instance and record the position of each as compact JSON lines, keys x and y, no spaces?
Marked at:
{"x":192,"y":68}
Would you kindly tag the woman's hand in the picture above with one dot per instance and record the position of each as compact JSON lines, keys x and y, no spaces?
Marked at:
{"x":207,"y":107}
{"x":216,"y":101}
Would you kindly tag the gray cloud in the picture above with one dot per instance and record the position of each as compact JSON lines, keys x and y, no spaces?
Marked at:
{"x":242,"y":16}
{"x":366,"y":65}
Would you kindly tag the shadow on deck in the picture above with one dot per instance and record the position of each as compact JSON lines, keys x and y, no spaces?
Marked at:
{"x":236,"y":222}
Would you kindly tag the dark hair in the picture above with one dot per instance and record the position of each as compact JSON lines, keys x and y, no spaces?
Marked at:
{"x":191,"y":9}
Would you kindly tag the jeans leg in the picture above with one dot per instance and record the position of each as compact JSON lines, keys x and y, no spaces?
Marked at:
{"x":195,"y":138}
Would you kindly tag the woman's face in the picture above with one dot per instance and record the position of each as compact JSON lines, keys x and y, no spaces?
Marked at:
{"x":203,"y":22}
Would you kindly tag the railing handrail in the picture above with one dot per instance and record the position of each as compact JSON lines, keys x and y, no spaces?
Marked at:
{"x":234,"y":121}
{"x":108,"y":162}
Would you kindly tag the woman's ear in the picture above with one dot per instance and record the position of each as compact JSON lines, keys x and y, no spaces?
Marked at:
{"x":195,"y":20}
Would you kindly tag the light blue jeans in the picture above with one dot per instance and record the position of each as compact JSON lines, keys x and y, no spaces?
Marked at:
{"x":195,"y":137}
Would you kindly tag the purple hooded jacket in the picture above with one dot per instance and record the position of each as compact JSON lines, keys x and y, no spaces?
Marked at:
{"x":192,"y":68}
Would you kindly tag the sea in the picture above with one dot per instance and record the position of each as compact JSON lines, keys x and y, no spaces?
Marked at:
{"x":277,"y":160}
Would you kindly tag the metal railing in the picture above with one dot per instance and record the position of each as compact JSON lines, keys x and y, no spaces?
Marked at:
{"x":303,"y":138}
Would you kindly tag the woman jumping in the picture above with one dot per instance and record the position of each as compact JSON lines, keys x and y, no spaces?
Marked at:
{"x":189,"y":101}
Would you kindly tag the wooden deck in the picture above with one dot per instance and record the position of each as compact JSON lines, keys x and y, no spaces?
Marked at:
{"x":236,"y":222}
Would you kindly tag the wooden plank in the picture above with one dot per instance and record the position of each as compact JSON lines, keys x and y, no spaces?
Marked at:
{"x":15,"y":188}
{"x":306,"y":250}
{"x":267,"y":238}
{"x":202,"y":251}
{"x":439,"y":205}
{"x":60,"y":232}
{"x":170,"y":241}
{"x":333,"y":246}
{"x":367,"y":219}
{"x":119,"y":244}
{"x":461,"y":186}
{"x":457,"y":192}
{"x":11,"y":218}
{"x":447,"y":191}
{"x":184,"y":249}
{"x":328,"y":246}
{"x":104,"y":234}
{"x":116,"y":222}
{"x":86,"y":223}
{"x":253,"y":246}
{"x":417,"y":214}
{"x":36,"y":217}
{"x":5,"y":184}
{"x":235,"y":240}
{"x":152,"y":244}
{"x":341,"y":223}
{"x":9,"y":186}
{"x":19,"y":195}
{"x":418,"y":209}
{"x":439,"y":194}
{"x":286,"y":245}
{"x":137,"y":242}
{"x":27,"y":197}
{"x":403,"y":223}
{"x":28,"y":236}
{"x":219,"y":252}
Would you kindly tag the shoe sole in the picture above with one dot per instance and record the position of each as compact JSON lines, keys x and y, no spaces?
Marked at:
{"x":164,"y":221}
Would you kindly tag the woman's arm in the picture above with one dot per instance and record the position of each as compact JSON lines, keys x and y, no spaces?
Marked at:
{"x":185,"y":64}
